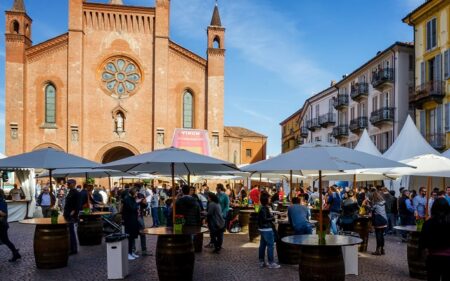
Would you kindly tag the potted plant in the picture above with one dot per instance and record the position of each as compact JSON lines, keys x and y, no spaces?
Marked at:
{"x":54,"y":216}
{"x":178,"y":224}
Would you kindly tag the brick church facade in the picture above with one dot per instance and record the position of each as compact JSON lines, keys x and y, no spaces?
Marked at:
{"x":114,"y":85}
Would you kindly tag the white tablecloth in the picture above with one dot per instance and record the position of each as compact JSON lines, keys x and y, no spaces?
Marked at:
{"x":17,"y":210}
{"x":350,"y":254}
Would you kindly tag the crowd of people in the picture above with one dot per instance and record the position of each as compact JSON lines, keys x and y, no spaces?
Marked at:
{"x":199,"y":206}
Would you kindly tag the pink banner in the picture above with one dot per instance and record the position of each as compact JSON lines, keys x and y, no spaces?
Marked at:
{"x":193,"y":140}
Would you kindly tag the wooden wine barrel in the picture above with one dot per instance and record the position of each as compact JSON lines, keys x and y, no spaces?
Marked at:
{"x":321,"y":264}
{"x":287,"y":253}
{"x":175,"y":257}
{"x":51,"y":246}
{"x":416,"y":258}
{"x":198,"y":242}
{"x":90,"y":230}
{"x":253,"y":232}
{"x":326,"y":219}
{"x":362,"y":226}
{"x":244,"y":219}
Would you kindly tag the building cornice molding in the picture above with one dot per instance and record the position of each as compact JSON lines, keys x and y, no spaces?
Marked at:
{"x":9,"y":37}
{"x":119,"y":8}
{"x":46,"y":47}
{"x":19,"y":13}
{"x":186,"y":53}
{"x":216,"y":52}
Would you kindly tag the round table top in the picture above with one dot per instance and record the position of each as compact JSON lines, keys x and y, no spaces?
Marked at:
{"x":247,"y":211}
{"x":409,"y":228}
{"x":95,"y":214}
{"x":287,"y":221}
{"x":44,"y":221}
{"x":330,"y":240}
{"x":18,"y":201}
{"x":364,"y":217}
{"x":187,"y":230}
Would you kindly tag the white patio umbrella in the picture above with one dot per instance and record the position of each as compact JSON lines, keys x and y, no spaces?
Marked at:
{"x":321,"y":157}
{"x":427,"y":165}
{"x":46,"y":158}
{"x":171,"y":161}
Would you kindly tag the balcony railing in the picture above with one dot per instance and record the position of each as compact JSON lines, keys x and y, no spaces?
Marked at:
{"x":359,"y":91}
{"x":382,"y":77}
{"x":340,"y":102}
{"x":327,"y":119}
{"x":313,"y":124}
{"x":430,"y":91}
{"x":437,"y":141}
{"x":358,"y":124}
{"x":382,"y":115}
{"x":304,"y":132}
{"x":340,"y":131}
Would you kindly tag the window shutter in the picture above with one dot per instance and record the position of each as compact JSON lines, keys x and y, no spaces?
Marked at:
{"x":422,"y":123}
{"x":433,"y":33}
{"x":447,"y":117}
{"x":428,"y":35}
{"x":439,"y":119}
{"x":446,"y":64}
{"x":438,"y":61}
{"x":422,"y":73}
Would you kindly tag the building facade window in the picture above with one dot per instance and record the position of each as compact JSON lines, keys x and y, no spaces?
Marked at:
{"x":120,"y":76}
{"x":160,"y":136}
{"x":187,"y":110}
{"x":215,"y":139}
{"x":248,"y":152}
{"x":431,"y":34}
{"x":235,"y":156}
{"x":50,"y":104}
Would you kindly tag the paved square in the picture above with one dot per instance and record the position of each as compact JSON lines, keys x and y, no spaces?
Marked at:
{"x":238,"y":261}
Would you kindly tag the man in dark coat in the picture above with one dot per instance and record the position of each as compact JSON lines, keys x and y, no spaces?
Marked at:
{"x":71,"y":210}
{"x":188,"y":207}
{"x":130,"y":219}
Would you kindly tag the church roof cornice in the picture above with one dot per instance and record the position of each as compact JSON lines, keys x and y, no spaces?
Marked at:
{"x":119,"y":8}
{"x":44,"y":47}
{"x":186,"y":53}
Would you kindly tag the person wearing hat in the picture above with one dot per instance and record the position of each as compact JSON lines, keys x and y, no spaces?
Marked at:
{"x":71,"y":210}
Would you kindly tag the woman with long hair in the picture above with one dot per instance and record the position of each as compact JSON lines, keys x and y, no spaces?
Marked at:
{"x":4,"y":228}
{"x":266,"y":229}
{"x":379,"y":220}
{"x":435,"y":238}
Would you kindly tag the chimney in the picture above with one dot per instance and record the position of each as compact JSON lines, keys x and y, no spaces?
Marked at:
{"x":333,"y":82}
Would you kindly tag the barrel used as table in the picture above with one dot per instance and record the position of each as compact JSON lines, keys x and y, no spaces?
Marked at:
{"x":175,"y":256}
{"x":326,"y":219}
{"x":362,"y":226}
{"x":321,"y":262}
{"x":51,"y":243}
{"x":253,"y":232}
{"x":287,"y":253}
{"x":90,"y":228}
{"x":244,"y":219}
{"x":416,"y":257}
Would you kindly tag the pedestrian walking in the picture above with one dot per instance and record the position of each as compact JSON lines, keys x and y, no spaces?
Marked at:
{"x":266,"y":229}
{"x":71,"y":211}
{"x":4,"y":228}
{"x":216,"y":222}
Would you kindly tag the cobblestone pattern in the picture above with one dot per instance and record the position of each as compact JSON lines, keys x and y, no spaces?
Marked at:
{"x":237,"y":261}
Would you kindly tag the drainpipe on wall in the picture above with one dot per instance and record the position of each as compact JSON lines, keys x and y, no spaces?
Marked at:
{"x":393,"y":94}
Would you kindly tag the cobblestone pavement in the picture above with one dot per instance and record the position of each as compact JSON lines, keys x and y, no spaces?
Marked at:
{"x":238,"y":261}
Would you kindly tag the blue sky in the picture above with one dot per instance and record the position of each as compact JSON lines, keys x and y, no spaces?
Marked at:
{"x":278,"y":52}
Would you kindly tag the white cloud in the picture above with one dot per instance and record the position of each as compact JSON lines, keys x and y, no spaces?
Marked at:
{"x":262,"y":36}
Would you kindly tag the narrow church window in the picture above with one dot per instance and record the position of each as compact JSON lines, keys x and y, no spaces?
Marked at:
{"x":216,"y":42}
{"x":187,"y":110}
{"x":235,"y":155}
{"x":15,"y":27}
{"x":50,"y":104}
{"x":215,"y":139}
{"x":160,"y":136}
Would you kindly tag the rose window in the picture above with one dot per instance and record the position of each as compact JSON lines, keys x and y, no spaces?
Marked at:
{"x":121,"y":77}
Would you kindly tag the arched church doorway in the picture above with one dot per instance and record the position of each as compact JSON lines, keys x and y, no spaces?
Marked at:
{"x":116,"y":153}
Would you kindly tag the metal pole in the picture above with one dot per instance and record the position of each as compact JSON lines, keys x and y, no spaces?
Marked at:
{"x":443,"y":184}
{"x":189,"y":179}
{"x":320,"y":205}
{"x":172,"y":168}
{"x":50,"y":178}
{"x":290,"y":183}
{"x":354,"y":183}
{"x":427,"y":213}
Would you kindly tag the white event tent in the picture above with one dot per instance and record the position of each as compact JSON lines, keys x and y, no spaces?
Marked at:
{"x":409,"y":144}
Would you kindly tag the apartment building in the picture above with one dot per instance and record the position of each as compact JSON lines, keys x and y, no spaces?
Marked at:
{"x":429,"y":98}
{"x":373,"y":97}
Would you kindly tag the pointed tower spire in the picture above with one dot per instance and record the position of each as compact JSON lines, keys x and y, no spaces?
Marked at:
{"x":116,"y":2}
{"x":18,"y":6}
{"x":215,"y":20}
